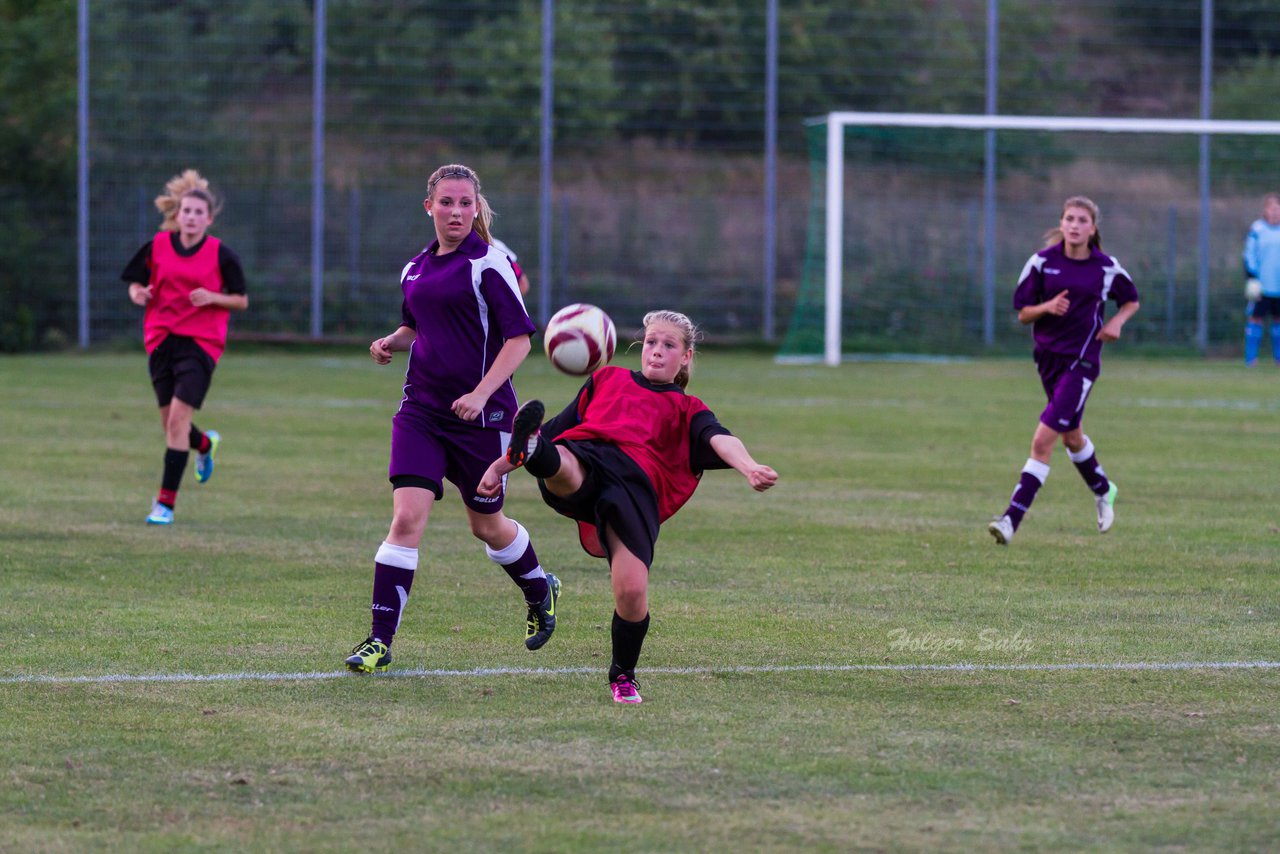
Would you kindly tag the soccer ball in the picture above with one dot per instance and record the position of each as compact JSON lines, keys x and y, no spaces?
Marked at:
{"x":579,"y":338}
{"x":1253,"y":290}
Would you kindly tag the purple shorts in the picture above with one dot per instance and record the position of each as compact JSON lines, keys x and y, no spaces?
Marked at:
{"x":434,"y":448}
{"x":1067,"y":382}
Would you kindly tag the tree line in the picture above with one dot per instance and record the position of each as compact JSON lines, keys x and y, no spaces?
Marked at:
{"x":229,"y":83}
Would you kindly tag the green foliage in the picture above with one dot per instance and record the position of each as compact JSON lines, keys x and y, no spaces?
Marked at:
{"x":879,"y":55}
{"x":687,"y":80}
{"x":37,"y":170}
{"x":481,"y":68}
{"x":1247,"y":91}
{"x":1241,"y":28}
{"x":18,"y":330}
{"x":226,"y":87}
{"x":184,"y":86}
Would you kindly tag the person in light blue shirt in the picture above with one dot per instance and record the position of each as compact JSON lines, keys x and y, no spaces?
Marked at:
{"x":1262,"y":262}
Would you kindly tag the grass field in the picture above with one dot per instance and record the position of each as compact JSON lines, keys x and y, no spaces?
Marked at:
{"x":804,"y":677}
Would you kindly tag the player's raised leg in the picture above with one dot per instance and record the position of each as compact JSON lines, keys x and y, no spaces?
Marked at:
{"x":527,"y":447}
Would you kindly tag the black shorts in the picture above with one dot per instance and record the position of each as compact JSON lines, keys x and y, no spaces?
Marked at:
{"x":615,"y":494}
{"x":181,"y":368}
{"x":1265,"y":306}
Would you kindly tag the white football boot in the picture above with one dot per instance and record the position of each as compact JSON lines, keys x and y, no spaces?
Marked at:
{"x":1002,"y":530}
{"x":1106,"y":509}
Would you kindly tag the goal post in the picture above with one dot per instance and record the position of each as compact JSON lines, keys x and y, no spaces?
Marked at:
{"x":837,"y":124}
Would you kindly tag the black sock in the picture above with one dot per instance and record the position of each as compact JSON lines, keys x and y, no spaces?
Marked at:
{"x":544,"y":462}
{"x":196,"y":439}
{"x":175,"y":463}
{"x":628,"y":637}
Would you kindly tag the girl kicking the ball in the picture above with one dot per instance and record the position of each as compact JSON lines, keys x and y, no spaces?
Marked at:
{"x":621,"y":459}
{"x":1063,"y":292}
{"x":466,"y":330}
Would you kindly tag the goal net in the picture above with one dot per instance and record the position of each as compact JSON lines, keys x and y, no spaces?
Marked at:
{"x":920,"y":223}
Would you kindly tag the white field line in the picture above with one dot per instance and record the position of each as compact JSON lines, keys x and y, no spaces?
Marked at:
{"x":250,"y":676}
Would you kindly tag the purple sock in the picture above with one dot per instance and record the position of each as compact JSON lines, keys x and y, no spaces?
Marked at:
{"x":393,"y":571}
{"x":1029,"y":483}
{"x":521,"y":563}
{"x":1086,"y":462}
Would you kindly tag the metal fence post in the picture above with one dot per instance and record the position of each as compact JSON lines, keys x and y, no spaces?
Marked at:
{"x":1171,"y":282}
{"x":317,"y":174}
{"x":770,"y":166}
{"x":546,"y":161}
{"x":989,"y":180}
{"x":1206,"y":112}
{"x":82,"y":170}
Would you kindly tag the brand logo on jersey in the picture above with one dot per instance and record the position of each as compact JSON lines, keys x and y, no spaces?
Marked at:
{"x":413,"y":278}
{"x":1051,"y":271}
{"x":498,"y":415}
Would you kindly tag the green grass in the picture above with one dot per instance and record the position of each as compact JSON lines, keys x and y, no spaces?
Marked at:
{"x":872,"y":550}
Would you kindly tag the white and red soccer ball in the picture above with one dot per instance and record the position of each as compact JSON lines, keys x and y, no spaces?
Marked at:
{"x":579,"y":338}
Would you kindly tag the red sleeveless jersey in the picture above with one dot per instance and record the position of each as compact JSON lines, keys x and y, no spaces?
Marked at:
{"x":170,"y":312}
{"x":651,"y":426}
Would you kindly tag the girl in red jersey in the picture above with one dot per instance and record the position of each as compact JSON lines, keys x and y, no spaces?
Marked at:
{"x":189,"y":282}
{"x":621,"y":459}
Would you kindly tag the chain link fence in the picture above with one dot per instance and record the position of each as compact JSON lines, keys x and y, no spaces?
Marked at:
{"x":659,"y":129}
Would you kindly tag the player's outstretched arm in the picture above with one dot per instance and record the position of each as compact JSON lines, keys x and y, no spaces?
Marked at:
{"x":382,"y":348}
{"x":140,"y":294}
{"x":513,"y":352}
{"x":732,"y":451}
{"x":1110,"y":330}
{"x":231,"y":302}
{"x":492,"y":480}
{"x":1059,"y":306}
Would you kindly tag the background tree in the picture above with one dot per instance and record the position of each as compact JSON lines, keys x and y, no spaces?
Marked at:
{"x":37,"y":170}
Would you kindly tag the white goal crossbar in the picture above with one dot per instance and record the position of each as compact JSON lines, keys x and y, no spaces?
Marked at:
{"x":836,"y":122}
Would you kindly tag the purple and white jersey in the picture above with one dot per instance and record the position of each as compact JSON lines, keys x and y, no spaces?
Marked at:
{"x":463,"y":306}
{"x":1089,"y":284}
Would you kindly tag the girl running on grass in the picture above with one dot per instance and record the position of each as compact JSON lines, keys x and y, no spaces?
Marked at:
{"x":1063,"y":293}
{"x":466,"y":330}
{"x":621,"y":459}
{"x":188,"y":282}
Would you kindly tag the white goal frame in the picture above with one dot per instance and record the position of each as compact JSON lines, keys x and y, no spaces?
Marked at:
{"x":836,"y":123}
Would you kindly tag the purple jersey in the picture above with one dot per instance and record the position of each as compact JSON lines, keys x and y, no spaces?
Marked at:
{"x":1089,"y":284}
{"x":463,"y":306}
